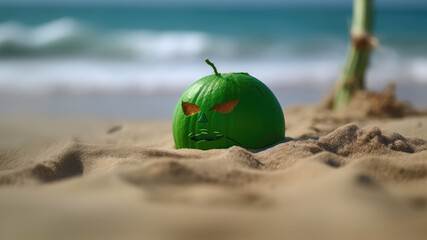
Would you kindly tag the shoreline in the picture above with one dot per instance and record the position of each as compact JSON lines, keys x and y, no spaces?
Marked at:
{"x":138,"y":105}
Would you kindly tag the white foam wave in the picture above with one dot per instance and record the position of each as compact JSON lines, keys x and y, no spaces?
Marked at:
{"x":111,"y":76}
{"x":83,"y":58}
{"x":67,"y":37}
{"x":41,"y":36}
{"x":162,"y":45}
{"x":55,"y":31}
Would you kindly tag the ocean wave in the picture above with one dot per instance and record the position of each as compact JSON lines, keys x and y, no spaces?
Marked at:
{"x":76,"y":55}
{"x":115,"y":76}
{"x":69,"y":37}
{"x":60,"y":36}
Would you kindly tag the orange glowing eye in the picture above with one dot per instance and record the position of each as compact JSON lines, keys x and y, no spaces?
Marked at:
{"x":225,"y":107}
{"x":189,"y":108}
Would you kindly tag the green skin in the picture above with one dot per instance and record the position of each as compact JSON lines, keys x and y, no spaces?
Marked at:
{"x":256,"y":121}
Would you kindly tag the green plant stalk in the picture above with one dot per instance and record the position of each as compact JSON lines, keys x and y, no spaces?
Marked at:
{"x":353,"y":76}
{"x":213,"y":66}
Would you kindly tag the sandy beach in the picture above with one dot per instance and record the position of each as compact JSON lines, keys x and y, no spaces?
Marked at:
{"x":90,"y":89}
{"x":334,"y":177}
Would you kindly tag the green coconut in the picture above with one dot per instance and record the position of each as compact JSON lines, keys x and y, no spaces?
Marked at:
{"x":227,"y":109}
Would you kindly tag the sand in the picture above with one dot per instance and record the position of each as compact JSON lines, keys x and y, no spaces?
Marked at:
{"x":334,"y":177}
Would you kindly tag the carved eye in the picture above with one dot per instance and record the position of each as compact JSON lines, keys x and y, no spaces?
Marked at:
{"x":225,"y":107}
{"x":189,"y":108}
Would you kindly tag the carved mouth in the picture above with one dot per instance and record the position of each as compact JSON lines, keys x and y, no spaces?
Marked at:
{"x":205,"y":136}
{"x":200,"y":139}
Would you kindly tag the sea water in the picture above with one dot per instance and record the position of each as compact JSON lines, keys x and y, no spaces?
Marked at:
{"x":139,"y":58}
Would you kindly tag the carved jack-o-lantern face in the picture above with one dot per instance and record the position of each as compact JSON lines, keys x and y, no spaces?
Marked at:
{"x":222,"y":110}
{"x":191,"y":109}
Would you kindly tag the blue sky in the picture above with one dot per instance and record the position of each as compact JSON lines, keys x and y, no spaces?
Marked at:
{"x":213,"y":2}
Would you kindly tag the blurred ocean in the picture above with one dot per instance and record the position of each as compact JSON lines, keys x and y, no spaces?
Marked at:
{"x":137,"y":51}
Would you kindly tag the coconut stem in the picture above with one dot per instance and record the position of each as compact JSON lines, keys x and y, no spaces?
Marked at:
{"x":213,"y":66}
{"x":353,"y":76}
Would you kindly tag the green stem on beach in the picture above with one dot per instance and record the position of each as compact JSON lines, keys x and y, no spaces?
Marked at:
{"x":362,"y":42}
{"x":213,"y":66}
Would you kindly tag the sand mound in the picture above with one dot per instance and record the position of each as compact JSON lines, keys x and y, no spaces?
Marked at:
{"x":367,"y":107}
{"x":382,"y":105}
{"x":372,"y":104}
